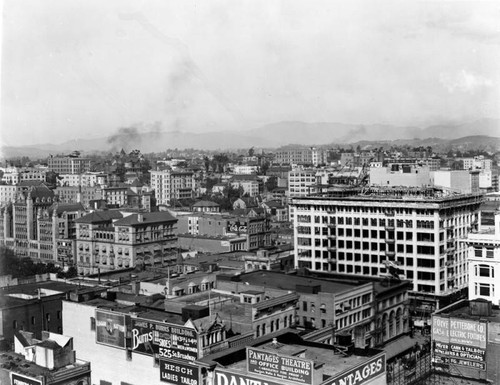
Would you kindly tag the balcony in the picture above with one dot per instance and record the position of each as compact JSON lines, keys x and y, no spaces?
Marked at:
{"x":332,"y":248}
{"x":389,"y":227}
{"x":391,"y":240}
{"x":332,"y":236}
{"x":332,"y":261}
{"x":390,"y":253}
{"x":331,"y":225}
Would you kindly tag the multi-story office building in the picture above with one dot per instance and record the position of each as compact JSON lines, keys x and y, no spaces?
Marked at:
{"x":43,"y":230}
{"x":8,"y":193}
{"x":300,"y":182}
{"x":246,"y":169}
{"x":108,"y":240}
{"x":357,"y":232}
{"x":407,"y":175}
{"x":433,"y":163}
{"x":375,"y":311}
{"x":461,"y":181}
{"x":477,"y":163}
{"x":249,"y":187}
{"x":19,"y":220}
{"x":16,"y":175}
{"x":78,"y":194}
{"x":88,"y":179}
{"x":484,"y":262}
{"x":170,"y":185}
{"x":70,"y":164}
{"x":240,"y":232}
{"x":312,"y":156}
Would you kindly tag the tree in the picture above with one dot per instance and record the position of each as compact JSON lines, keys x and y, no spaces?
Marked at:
{"x":251,"y":152}
{"x":271,"y":183}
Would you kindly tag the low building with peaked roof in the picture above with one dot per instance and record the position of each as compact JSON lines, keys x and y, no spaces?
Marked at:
{"x":205,"y":206}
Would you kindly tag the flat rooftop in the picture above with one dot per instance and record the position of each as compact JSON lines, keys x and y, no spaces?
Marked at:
{"x":16,"y":363}
{"x":462,"y":310}
{"x":139,"y":311}
{"x":283,"y":281}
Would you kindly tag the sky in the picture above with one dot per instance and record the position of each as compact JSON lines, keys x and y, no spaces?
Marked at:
{"x":75,"y":69}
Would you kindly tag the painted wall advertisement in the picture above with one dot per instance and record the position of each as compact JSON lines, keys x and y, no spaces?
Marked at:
{"x":110,"y":329}
{"x":162,"y":339}
{"x":223,"y":377}
{"x":179,"y":373}
{"x":280,"y":367}
{"x":17,"y":379}
{"x":372,"y":371}
{"x":459,"y":342}
{"x":236,"y":227}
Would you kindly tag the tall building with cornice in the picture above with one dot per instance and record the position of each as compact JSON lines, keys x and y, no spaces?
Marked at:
{"x":377,"y":231}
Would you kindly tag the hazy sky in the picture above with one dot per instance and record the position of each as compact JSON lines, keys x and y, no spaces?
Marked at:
{"x":83,"y":68}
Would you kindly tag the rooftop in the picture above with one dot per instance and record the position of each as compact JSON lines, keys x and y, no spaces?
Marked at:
{"x":99,"y":217}
{"x":16,"y":363}
{"x":289,"y":282}
{"x":462,"y":310}
{"x":154,"y":217}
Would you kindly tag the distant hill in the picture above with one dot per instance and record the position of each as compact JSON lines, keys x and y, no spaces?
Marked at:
{"x":281,"y":134}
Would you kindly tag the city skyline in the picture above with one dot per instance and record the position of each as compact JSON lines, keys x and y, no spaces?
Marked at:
{"x":86,"y":70}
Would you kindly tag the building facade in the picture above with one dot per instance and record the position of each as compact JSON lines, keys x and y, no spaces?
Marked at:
{"x":108,"y":240}
{"x":171,"y":186}
{"x":358,"y":234}
{"x":484,"y":262}
{"x":71,"y":164}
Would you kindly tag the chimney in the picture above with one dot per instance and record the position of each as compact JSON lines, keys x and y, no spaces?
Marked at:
{"x":140,"y":217}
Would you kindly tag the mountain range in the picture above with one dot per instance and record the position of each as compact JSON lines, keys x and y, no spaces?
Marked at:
{"x":482,"y":133}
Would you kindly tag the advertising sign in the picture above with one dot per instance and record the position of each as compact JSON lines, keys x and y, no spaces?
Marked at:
{"x":236,"y":227}
{"x":17,"y":379}
{"x":179,"y":373}
{"x":278,"y":366}
{"x":222,"y":377}
{"x":459,"y":342}
{"x":459,"y":331}
{"x":164,"y":340}
{"x":361,"y":374}
{"x":110,"y":329}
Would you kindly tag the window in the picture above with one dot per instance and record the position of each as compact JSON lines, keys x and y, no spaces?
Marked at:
{"x":33,"y":320}
{"x":92,"y":323}
{"x":483,"y":289}
{"x":485,"y":271}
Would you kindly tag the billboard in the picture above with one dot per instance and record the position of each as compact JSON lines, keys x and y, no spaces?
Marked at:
{"x":110,"y":328}
{"x":17,"y":379}
{"x":280,"y":367}
{"x":361,"y":374}
{"x":163,"y":340}
{"x":223,"y":377}
{"x":179,"y":373}
{"x":459,"y":341}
